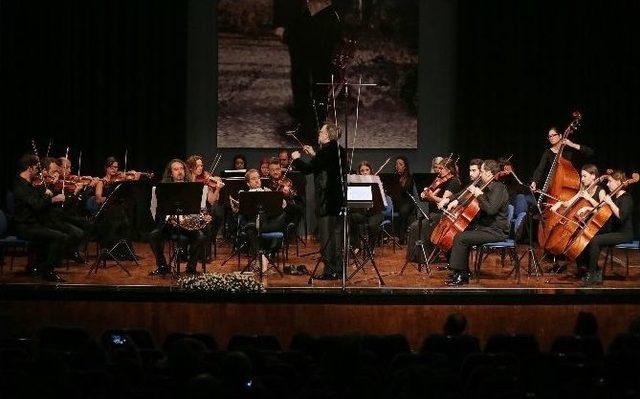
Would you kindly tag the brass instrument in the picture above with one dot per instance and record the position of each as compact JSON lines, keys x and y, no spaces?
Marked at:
{"x":190,"y":222}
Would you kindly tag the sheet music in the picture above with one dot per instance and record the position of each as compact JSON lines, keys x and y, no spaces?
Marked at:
{"x":153,"y":206}
{"x":372,"y":179}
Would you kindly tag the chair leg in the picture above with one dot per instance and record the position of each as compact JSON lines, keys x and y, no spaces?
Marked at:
{"x":478,"y":262}
{"x":516,"y":264}
{"x":607,"y":254}
{"x":626,"y":253}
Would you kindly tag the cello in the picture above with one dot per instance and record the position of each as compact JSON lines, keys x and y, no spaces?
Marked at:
{"x":459,"y":218}
{"x":568,"y":221}
{"x":562,"y":182}
{"x":594,"y":220}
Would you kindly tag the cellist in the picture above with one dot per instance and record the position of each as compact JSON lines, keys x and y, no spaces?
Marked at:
{"x":490,"y":225}
{"x":618,"y":229}
{"x":593,"y":193}
{"x":555,"y":138}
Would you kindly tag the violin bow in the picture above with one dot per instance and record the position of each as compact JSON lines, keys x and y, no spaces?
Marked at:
{"x":48,"y":148}
{"x":79,"y":163}
{"x":35,"y":152}
{"x":333,"y":94}
{"x":383,"y":165}
{"x":126,"y":153}
{"x":64,"y":175}
{"x":216,"y":161}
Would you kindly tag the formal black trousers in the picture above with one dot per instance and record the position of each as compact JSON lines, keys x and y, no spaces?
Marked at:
{"x":589,"y":257}
{"x":330,"y":236}
{"x":463,"y":241}
{"x":195,"y":239}
{"x":55,"y":239}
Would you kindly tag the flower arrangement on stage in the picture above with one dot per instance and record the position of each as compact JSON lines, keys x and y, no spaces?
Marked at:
{"x":235,"y":283}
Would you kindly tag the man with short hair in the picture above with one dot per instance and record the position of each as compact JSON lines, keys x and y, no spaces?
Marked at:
{"x":34,"y":218}
{"x":491,"y":224}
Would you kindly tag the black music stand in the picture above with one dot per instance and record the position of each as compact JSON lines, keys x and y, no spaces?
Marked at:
{"x":106,"y":254}
{"x":233,"y":173}
{"x":419,"y":243}
{"x":178,"y":199}
{"x":371,"y":200}
{"x":259,"y":205}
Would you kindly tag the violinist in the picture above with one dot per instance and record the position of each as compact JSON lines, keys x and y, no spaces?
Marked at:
{"x":112,"y":175}
{"x":176,"y":171}
{"x":275,"y":175}
{"x":435,"y":164}
{"x":264,"y":167}
{"x":215,"y":184}
{"x":198,"y":174}
{"x":116,"y":223}
{"x":51,"y":169}
{"x":284,"y":158}
{"x":570,"y":153}
{"x":619,"y":228}
{"x":401,"y":200}
{"x":368,"y":219}
{"x":73,"y":186}
{"x":35,"y":219}
{"x":490,"y":225}
{"x":589,"y":190}
{"x":294,"y":207}
{"x":444,"y":186}
{"x":270,"y":223}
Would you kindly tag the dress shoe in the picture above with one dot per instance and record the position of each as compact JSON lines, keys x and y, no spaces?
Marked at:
{"x":162,"y":270}
{"x":592,"y":278}
{"x":443,"y":266}
{"x":458,"y":280}
{"x":77,"y":258}
{"x":52,"y":277}
{"x":329,"y":276}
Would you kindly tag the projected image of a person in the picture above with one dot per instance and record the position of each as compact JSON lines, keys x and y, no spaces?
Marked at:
{"x":312,"y":31}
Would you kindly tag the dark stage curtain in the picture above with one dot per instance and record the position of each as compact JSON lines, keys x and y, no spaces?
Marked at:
{"x":524,"y":66}
{"x":99,"y":76}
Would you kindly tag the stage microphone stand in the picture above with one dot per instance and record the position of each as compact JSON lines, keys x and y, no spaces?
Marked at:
{"x":343,"y":181}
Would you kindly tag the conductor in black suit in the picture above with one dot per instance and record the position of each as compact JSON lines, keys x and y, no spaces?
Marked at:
{"x":327,"y":166}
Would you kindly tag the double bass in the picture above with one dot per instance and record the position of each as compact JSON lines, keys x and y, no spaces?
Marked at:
{"x":562,"y":183}
{"x":580,"y":234}
{"x":459,"y":218}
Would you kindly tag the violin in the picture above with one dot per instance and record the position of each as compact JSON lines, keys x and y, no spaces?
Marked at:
{"x":285,"y":186}
{"x":209,"y":180}
{"x":129,"y":176}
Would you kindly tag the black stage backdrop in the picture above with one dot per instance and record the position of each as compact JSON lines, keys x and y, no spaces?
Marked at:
{"x":524,"y":66}
{"x":99,"y":76}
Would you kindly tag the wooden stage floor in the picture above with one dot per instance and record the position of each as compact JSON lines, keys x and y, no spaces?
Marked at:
{"x":494,"y":279}
{"x":413,"y":304}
